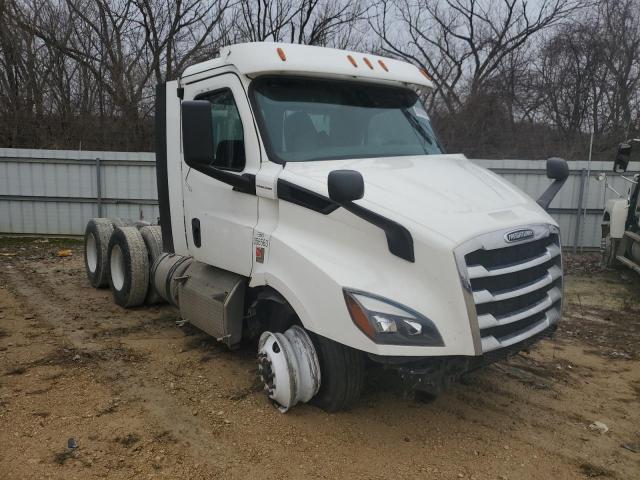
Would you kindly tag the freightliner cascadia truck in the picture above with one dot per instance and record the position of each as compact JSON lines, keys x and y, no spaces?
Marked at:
{"x":306,"y":203}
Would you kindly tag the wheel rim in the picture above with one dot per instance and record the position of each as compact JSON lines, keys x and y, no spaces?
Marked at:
{"x":91,"y":250}
{"x":288,"y":366}
{"x":117,"y":267}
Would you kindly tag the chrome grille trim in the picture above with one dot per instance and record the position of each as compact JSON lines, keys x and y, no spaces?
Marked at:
{"x":478,"y":271}
{"x":512,"y":291}
{"x":488,"y":320}
{"x":491,"y":343}
{"x":485,"y":296}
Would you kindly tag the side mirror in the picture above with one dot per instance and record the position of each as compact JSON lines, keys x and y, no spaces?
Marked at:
{"x":557,"y":168}
{"x":345,"y":186}
{"x":197,"y":146}
{"x":622,"y":158}
{"x":197,"y":132}
{"x":558,"y":171}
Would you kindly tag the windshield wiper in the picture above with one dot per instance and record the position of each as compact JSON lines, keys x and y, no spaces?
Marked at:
{"x":418,"y":126}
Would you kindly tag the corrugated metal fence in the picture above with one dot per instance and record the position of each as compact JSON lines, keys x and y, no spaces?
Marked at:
{"x":56,"y":191}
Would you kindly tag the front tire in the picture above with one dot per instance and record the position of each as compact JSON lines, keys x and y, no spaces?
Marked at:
{"x":343,"y":373}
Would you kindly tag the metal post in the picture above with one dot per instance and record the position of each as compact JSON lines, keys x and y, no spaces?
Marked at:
{"x":99,"y":187}
{"x":586,"y":194}
{"x":576,"y":239}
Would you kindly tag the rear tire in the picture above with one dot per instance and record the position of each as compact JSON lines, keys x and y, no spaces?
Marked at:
{"x":152,"y":236}
{"x":122,"y":222}
{"x":343,"y":371}
{"x":96,"y":245}
{"x":128,"y":267}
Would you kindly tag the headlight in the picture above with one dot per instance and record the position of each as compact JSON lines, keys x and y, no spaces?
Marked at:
{"x":387,"y":322}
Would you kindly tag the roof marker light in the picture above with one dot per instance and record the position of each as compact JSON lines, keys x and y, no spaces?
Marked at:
{"x":352,"y":60}
{"x":366,"y":60}
{"x":281,"y":54}
{"x":423,"y":71}
{"x":382,"y":64}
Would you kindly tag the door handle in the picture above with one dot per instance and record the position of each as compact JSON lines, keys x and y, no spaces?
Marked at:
{"x":195,"y":230}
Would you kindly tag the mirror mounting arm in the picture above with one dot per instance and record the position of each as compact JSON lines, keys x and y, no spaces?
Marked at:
{"x":550,"y":193}
{"x":557,"y":170}
{"x":244,"y":183}
{"x":347,"y":186}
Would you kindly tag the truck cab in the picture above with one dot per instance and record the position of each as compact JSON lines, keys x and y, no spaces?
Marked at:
{"x":319,"y":212}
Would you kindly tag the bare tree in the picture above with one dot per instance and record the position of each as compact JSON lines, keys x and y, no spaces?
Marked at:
{"x":571,"y":61}
{"x":312,"y":22}
{"x":589,"y":75}
{"x":462,"y":43}
{"x":175,"y":32}
{"x":512,"y":77}
{"x":101,"y":59}
{"x":620,"y":40}
{"x":328,"y":22}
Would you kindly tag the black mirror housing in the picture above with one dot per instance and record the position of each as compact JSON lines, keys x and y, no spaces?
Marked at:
{"x":197,"y":132}
{"x":345,"y":186}
{"x":557,"y":168}
{"x":622,"y":158}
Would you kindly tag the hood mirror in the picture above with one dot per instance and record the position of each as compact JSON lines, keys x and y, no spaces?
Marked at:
{"x":557,"y":169}
{"x":345,"y":186}
{"x":622,"y":158}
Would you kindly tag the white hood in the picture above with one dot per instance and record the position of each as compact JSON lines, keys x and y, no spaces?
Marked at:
{"x":446,"y":194}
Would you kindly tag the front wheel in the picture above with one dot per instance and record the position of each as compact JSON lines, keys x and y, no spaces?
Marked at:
{"x":298,"y":366}
{"x":343,"y":373}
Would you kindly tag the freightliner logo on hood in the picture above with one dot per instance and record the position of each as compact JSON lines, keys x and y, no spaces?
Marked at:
{"x":519,"y":235}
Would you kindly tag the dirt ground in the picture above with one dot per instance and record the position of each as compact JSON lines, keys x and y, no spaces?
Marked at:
{"x":145,"y":398}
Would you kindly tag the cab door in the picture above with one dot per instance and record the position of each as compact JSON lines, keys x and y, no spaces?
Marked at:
{"x":219,"y":219}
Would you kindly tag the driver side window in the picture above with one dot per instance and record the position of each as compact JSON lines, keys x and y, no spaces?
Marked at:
{"x":228,"y":135}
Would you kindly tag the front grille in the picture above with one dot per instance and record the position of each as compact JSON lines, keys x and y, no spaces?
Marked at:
{"x":509,"y":255}
{"x":514,"y":291}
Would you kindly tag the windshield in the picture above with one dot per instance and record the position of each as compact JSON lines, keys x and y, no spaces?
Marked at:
{"x":305,"y":119}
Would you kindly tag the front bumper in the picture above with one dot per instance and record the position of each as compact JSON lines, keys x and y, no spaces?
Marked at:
{"x":433,"y":374}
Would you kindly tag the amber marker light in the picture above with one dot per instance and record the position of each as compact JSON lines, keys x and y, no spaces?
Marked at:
{"x":352,"y":60}
{"x":424,"y":72}
{"x":366,"y":60}
{"x":359,"y":317}
{"x":383,"y":65}
{"x":281,"y":54}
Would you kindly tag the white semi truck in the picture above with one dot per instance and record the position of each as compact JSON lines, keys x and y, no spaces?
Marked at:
{"x":305,"y":200}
